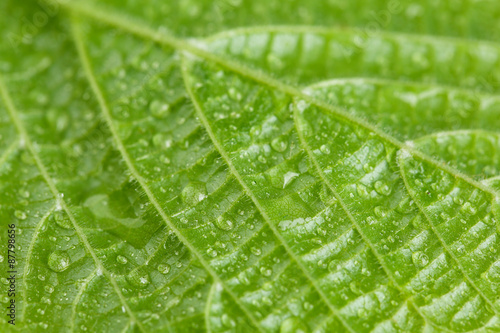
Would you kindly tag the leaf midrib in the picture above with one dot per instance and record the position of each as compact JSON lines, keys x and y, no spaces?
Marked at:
{"x":118,"y":21}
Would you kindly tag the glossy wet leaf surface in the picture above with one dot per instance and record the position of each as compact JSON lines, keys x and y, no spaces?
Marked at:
{"x":241,"y":166}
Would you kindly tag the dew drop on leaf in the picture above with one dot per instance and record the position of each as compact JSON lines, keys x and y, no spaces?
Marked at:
{"x":289,"y":177}
{"x":62,"y":220}
{"x":121,"y":260}
{"x":20,"y":215}
{"x":138,"y":279}
{"x":325,"y":149}
{"x":227,"y":320}
{"x":495,"y":209}
{"x":193,"y":193}
{"x":292,"y":325}
{"x":159,"y":109}
{"x":420,"y":259}
{"x":266,"y":271}
{"x":279,"y":144}
{"x":163,"y":268}
{"x":493,"y":274}
{"x":58,"y":261}
{"x":212,"y":252}
{"x":382,"y":188}
{"x":256,"y":251}
{"x":224,"y":224}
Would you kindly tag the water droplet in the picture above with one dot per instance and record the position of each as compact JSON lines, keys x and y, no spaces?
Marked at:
{"x":212,"y":252}
{"x":495,"y":208}
{"x":224,"y":224}
{"x":58,"y":261}
{"x":49,"y":288}
{"x":494,"y":274}
{"x":62,"y":220}
{"x":362,"y":191}
{"x":24,"y":193}
{"x":19,"y":214}
{"x":279,"y":144}
{"x":292,"y":325}
{"x":227,"y":321}
{"x":420,"y":259}
{"x":289,"y":177}
{"x":163,"y":268}
{"x":325,"y":149}
{"x":138,"y":279}
{"x":333,"y":265}
{"x":235,"y":94}
{"x":382,"y":188}
{"x":266,"y":271}
{"x":380,"y":211}
{"x":193,"y":193}
{"x":121,"y":260}
{"x":469,"y":208}
{"x":302,"y":105}
{"x":159,"y":109}
{"x":256,"y":251}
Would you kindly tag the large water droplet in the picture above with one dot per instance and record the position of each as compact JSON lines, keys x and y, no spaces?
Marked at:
{"x":58,"y":261}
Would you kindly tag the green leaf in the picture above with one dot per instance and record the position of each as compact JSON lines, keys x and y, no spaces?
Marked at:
{"x":321,"y":166}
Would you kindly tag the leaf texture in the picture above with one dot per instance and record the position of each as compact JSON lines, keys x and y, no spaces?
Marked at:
{"x":228,"y":166}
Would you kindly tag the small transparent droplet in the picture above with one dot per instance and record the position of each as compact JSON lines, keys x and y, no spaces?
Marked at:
{"x":62,"y":220}
{"x":212,"y":252}
{"x":193,"y":193}
{"x":20,"y":215}
{"x":163,"y":268}
{"x":292,"y":325}
{"x":121,"y":260}
{"x":420,"y":259}
{"x":469,"y":208}
{"x":256,"y":251}
{"x":224,"y":224}
{"x":279,"y":144}
{"x":382,"y":188}
{"x":159,"y":109}
{"x":266,"y":271}
{"x":59,"y":261}
{"x":325,"y":149}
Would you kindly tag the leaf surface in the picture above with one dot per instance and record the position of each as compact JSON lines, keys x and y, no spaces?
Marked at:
{"x":279,"y":175}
